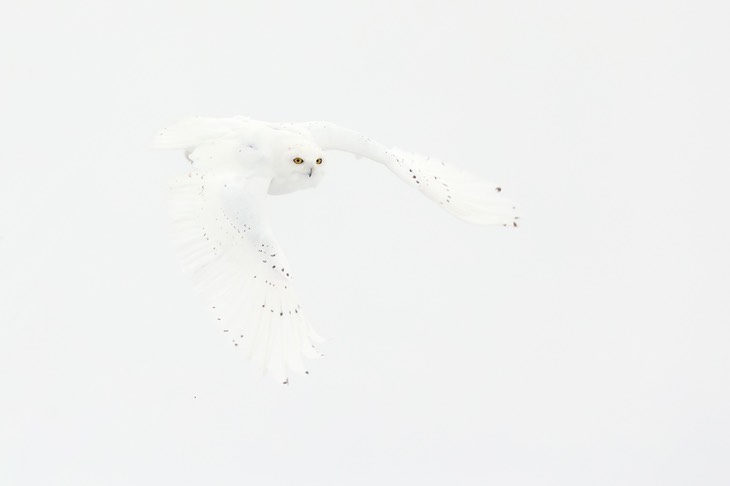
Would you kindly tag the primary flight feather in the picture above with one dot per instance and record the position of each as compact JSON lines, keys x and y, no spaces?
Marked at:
{"x":224,"y":240}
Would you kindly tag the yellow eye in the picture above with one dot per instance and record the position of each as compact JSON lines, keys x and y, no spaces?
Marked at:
{"x":298,"y":160}
{"x":319,"y":161}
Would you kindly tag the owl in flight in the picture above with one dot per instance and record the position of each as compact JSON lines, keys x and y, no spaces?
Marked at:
{"x":225,"y":242}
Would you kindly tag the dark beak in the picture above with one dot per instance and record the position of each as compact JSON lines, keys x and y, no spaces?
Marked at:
{"x":310,"y":171}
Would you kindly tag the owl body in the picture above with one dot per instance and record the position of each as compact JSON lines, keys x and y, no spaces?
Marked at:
{"x":244,"y":146}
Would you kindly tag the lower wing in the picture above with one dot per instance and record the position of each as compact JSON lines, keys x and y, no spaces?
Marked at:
{"x":227,"y":247}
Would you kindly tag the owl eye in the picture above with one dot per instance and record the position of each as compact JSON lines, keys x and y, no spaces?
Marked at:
{"x":319,"y":161}
{"x":298,"y":160}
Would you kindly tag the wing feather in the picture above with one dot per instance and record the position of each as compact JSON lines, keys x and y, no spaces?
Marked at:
{"x":228,"y":249}
{"x":459,"y":192}
{"x":194,"y":131}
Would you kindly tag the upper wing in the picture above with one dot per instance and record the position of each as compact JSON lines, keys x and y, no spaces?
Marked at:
{"x":194,"y":131}
{"x":228,"y":249}
{"x":460,"y":193}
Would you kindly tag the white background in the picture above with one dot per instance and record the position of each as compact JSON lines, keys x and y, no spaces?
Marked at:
{"x":587,"y":347}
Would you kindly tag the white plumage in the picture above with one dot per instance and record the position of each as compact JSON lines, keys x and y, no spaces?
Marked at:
{"x":225,"y":242}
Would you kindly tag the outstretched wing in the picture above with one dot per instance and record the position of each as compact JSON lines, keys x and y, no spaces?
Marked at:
{"x":460,"y":193}
{"x":227,"y":247}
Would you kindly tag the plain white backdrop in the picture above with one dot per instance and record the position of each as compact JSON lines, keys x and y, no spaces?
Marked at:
{"x":589,"y":346}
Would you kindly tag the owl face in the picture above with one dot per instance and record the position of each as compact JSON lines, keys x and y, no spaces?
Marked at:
{"x":305,"y":160}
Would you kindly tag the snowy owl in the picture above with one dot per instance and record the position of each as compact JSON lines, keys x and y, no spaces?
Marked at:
{"x":227,"y":246}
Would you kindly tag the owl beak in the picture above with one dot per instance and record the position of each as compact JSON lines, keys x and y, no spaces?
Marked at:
{"x":311,"y":169}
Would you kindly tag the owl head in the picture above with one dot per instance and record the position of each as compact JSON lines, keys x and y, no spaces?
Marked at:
{"x":305,"y":159}
{"x":299,"y":164}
